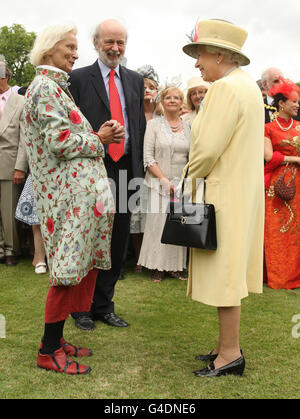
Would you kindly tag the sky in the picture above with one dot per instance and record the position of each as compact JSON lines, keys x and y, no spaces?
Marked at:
{"x":157,"y":30}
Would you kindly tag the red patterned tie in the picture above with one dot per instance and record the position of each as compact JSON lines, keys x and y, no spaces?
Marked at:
{"x":116,"y":151}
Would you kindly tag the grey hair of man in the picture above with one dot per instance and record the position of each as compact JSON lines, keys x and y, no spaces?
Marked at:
{"x":97,"y":32}
{"x":266,"y":76}
{"x":5,"y":72}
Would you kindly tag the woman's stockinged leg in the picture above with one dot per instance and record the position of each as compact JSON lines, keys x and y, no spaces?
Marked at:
{"x":228,"y":348}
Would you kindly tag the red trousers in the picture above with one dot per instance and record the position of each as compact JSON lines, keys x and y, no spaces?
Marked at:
{"x":62,"y":301}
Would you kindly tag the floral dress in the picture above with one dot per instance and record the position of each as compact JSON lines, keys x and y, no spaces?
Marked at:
{"x":71,"y":190}
{"x":282,"y":219}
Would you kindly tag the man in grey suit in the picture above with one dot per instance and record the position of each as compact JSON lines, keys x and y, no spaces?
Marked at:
{"x":13,"y":165}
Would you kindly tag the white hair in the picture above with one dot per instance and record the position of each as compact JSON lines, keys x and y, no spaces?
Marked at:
{"x":46,"y":40}
{"x":230,"y":56}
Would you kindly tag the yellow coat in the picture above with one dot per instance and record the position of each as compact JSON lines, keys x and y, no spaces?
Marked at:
{"x":227,"y":147}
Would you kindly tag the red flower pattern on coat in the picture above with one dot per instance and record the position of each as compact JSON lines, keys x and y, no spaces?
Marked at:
{"x":98,"y":209}
{"x":50,"y":225}
{"x":64,"y":135}
{"x":75,"y":117}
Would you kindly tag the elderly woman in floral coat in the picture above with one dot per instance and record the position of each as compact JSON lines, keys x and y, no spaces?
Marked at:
{"x":71,"y":191}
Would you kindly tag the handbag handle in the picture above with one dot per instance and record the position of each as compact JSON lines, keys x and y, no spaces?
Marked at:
{"x":182,"y":186}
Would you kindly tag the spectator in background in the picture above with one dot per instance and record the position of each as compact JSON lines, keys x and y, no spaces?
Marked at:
{"x":152,"y":109}
{"x":282,"y":220}
{"x":264,"y":91}
{"x":13,"y":165}
{"x":26,"y":213}
{"x":197,"y":89}
{"x":270,"y":77}
{"x":166,"y":149}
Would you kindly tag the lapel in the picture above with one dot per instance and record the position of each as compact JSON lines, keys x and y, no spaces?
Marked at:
{"x":98,"y":83}
{"x":267,"y":115}
{"x":126,"y":83}
{"x":9,"y":112}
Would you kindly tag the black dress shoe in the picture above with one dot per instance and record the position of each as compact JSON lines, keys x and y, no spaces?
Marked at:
{"x":11,"y":261}
{"x":112,"y":320}
{"x":84,"y":322}
{"x":235,"y":368}
{"x":209,"y":357}
{"x":206,"y":358}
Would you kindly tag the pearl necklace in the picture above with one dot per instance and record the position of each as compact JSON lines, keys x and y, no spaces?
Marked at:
{"x":285,"y":129}
{"x":175,"y":128}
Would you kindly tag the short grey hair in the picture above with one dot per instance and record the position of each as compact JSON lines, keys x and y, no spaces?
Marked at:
{"x":97,"y":31}
{"x":230,"y":56}
{"x":46,"y":40}
{"x":265,"y":76}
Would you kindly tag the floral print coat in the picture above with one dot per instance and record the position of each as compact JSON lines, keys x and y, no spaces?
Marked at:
{"x":71,"y":190}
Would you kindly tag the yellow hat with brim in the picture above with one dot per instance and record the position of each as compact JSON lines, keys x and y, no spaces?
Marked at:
{"x":218,"y":33}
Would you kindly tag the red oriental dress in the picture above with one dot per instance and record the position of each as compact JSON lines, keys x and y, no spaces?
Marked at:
{"x":282,"y":219}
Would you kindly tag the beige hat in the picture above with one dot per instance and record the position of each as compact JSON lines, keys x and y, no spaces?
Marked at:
{"x":196,"y":82}
{"x":220,"y":34}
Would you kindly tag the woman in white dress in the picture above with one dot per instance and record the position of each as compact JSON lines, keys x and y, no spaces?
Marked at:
{"x":166,"y":150}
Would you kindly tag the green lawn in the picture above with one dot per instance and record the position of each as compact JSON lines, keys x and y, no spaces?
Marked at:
{"x":154,"y":357}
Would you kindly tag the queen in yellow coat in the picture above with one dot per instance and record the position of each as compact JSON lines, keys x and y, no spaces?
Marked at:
{"x":227,"y":142}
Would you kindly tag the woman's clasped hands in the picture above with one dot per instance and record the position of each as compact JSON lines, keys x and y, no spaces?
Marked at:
{"x":111,"y":132}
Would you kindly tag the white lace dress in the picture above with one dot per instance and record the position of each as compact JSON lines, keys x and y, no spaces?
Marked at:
{"x":170,"y":152}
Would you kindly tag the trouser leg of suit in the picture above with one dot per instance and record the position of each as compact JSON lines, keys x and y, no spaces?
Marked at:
{"x":106,"y":280}
{"x":9,"y":196}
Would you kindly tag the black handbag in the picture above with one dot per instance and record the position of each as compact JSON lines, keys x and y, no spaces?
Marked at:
{"x":190,"y":225}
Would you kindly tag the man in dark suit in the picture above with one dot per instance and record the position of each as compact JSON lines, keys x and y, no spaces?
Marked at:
{"x":270,"y":77}
{"x":91,"y":89}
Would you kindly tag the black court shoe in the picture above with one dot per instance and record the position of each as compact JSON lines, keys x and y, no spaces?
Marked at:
{"x":206,"y":358}
{"x":235,"y":368}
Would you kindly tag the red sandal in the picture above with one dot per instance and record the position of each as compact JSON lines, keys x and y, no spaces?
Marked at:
{"x":72,"y":350}
{"x":59,"y":361}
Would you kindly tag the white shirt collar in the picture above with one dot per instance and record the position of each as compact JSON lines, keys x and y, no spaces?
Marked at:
{"x":105,"y":70}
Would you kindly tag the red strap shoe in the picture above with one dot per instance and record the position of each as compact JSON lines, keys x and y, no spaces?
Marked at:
{"x":72,"y":350}
{"x":59,"y":361}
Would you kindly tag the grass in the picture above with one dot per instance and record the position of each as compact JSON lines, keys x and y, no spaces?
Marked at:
{"x":154,"y":357}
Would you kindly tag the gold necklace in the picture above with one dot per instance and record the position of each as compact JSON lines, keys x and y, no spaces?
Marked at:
{"x":285,"y":129}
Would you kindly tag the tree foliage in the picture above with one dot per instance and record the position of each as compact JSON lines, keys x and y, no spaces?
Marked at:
{"x":15,"y":45}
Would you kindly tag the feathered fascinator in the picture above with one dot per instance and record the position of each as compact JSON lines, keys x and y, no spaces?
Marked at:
{"x":174,"y":82}
{"x":147,"y":71}
{"x":193,"y":36}
{"x":286,"y":87}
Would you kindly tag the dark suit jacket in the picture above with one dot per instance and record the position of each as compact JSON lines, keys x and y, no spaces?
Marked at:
{"x":88,"y":90}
